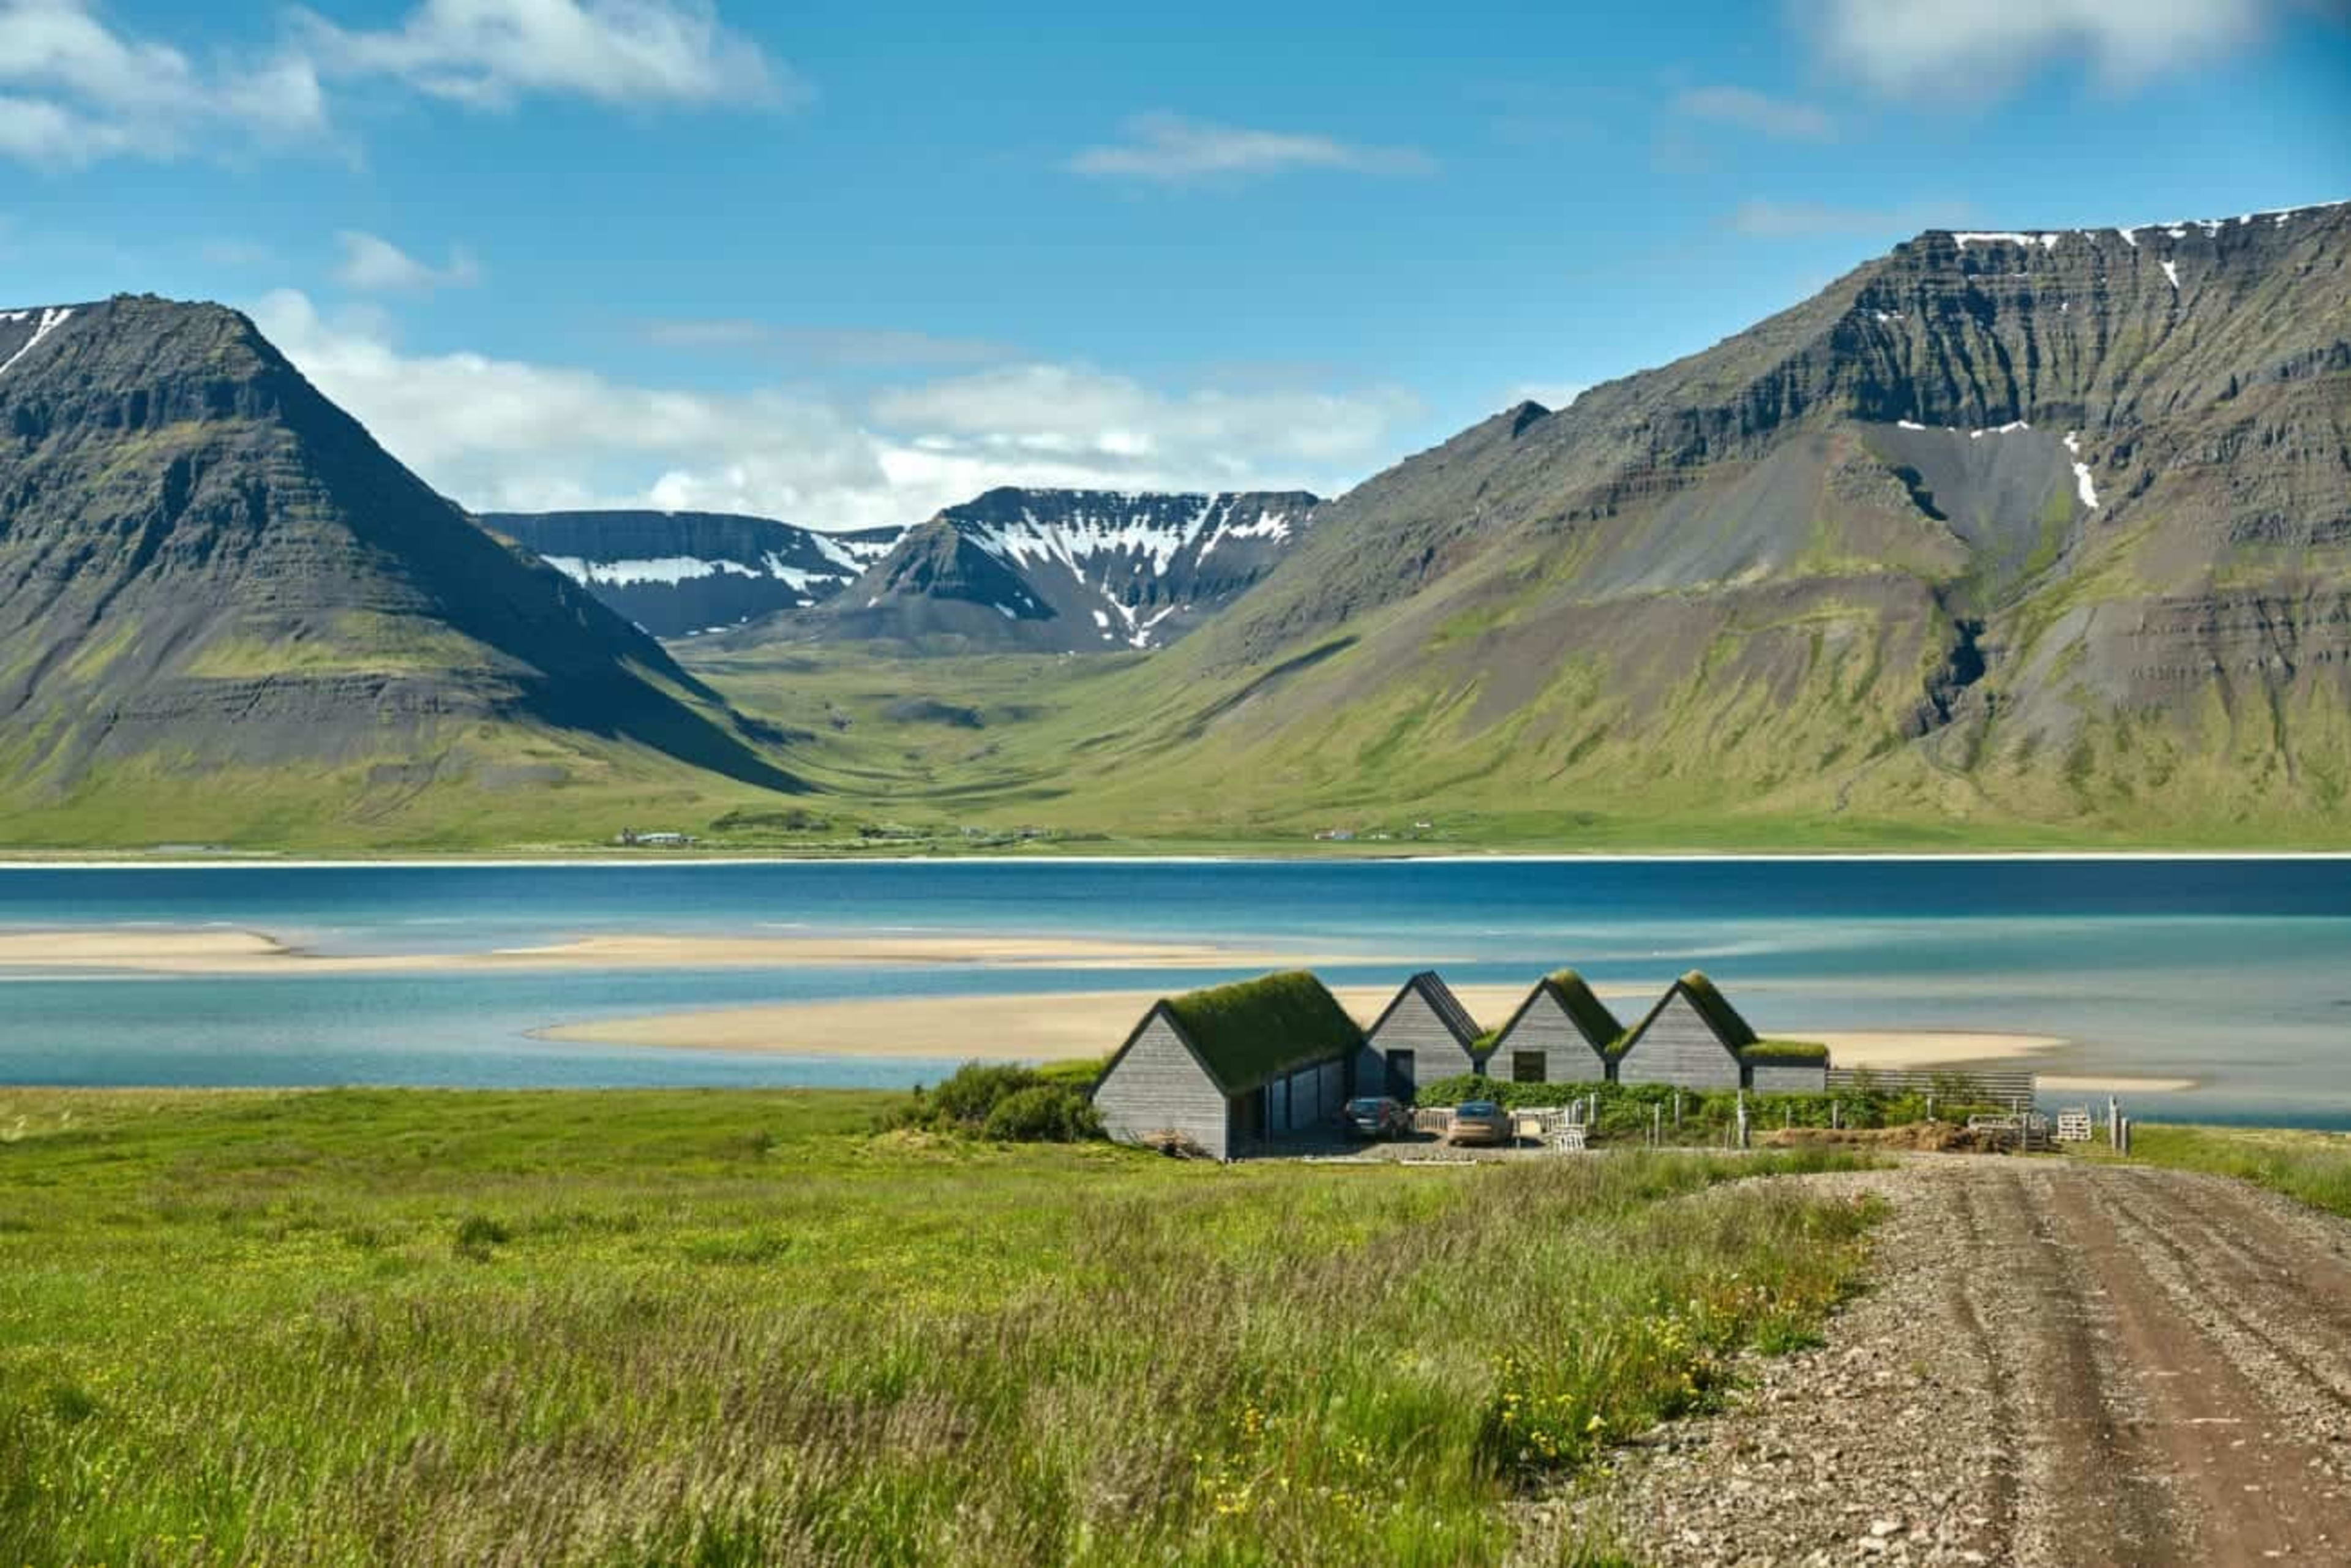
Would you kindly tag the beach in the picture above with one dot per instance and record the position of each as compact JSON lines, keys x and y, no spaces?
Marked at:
{"x":1066,"y":1026}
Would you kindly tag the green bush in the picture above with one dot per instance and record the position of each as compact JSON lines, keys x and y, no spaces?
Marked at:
{"x":1008,"y":1103}
{"x":1630,"y":1110}
{"x":1043,"y":1113}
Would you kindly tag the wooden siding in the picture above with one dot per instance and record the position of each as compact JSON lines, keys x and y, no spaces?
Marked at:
{"x":1679,"y":1048}
{"x":1158,"y":1086}
{"x":1412,"y":1025}
{"x":1306,"y":1100}
{"x":1544,"y":1026}
{"x":1998,"y":1083}
{"x":1778,"y":1078}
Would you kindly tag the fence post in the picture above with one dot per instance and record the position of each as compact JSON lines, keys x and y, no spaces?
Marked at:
{"x":1742,"y":1119}
{"x":1930,"y":1104}
{"x":1836,"y":1113}
{"x":1677,"y":1110}
{"x":1656,"y":1126}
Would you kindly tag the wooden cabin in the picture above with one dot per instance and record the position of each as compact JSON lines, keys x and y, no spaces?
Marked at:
{"x":1563,"y":1033}
{"x":1233,"y":1066}
{"x":1693,"y":1038}
{"x":1424,"y":1035}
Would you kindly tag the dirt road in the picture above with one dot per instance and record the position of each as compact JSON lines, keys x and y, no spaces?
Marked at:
{"x":2060,"y":1364}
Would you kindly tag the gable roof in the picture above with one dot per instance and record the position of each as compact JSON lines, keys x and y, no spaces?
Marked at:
{"x":1441,"y":1001}
{"x":1250,"y":1032}
{"x":1592,"y":1018}
{"x":1712,"y":1008}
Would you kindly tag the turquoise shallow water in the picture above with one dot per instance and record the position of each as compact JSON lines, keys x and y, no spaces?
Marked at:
{"x":2236,"y":973}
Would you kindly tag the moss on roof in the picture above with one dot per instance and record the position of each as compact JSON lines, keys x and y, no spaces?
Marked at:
{"x":1795,"y":1053}
{"x":1718,"y":1011}
{"x":1253,"y":1030}
{"x":1600,"y":1026}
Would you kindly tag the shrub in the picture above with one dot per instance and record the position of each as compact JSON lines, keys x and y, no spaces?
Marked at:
{"x":1008,"y":1103}
{"x":972,"y":1092}
{"x":1043,"y":1113}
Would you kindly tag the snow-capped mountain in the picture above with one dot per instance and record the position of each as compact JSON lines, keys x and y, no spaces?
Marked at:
{"x":682,"y":574}
{"x":1064,"y":571}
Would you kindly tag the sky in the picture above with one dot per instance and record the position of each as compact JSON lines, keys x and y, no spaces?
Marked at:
{"x":845,"y":264}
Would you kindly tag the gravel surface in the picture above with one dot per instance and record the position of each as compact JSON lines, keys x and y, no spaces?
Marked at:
{"x":2058,"y":1363}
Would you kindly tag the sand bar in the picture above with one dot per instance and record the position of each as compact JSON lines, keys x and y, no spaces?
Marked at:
{"x":1893,"y":1048}
{"x":2111,"y":1084}
{"x":1058,"y":1025}
{"x":231,"y":952}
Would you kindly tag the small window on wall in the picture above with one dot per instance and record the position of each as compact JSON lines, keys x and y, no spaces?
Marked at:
{"x":1527,"y":1066}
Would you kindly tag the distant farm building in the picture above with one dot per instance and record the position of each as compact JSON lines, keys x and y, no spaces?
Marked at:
{"x":1695,"y":1038}
{"x":1426,"y":1034}
{"x":1232,"y":1065}
{"x":1563,"y":1033}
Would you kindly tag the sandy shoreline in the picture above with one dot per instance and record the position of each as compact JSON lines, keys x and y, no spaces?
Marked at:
{"x":228,"y":952}
{"x":1069,"y":1025}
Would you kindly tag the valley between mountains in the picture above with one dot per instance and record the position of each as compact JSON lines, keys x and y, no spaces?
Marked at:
{"x":2024,"y":538}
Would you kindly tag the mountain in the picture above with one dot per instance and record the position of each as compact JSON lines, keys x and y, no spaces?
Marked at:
{"x":679,"y":574}
{"x":1060,"y":571}
{"x":2046,"y":529}
{"x":220,"y":600}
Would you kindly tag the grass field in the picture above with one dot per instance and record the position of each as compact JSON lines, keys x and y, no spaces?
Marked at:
{"x":2314,"y":1167}
{"x":649,"y":1327}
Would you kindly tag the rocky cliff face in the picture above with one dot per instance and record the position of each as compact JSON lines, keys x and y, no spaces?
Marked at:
{"x":2026,"y":523}
{"x":204,"y":564}
{"x":1063,"y":571}
{"x":684,"y":574}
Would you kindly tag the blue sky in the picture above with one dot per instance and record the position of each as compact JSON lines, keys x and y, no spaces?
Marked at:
{"x":845,"y":266}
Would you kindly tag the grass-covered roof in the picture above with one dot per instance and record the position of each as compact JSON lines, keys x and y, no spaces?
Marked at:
{"x":1591,"y":1016}
{"x":1788,"y":1053}
{"x":1253,"y":1030}
{"x":1717,"y":1011}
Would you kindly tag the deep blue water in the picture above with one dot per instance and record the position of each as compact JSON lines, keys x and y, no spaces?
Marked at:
{"x":2237,"y":973}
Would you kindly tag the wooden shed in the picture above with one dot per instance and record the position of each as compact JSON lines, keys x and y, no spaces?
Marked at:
{"x":1563,"y":1033}
{"x":1232,"y":1065}
{"x":1693,"y":1038}
{"x":1424,"y":1035}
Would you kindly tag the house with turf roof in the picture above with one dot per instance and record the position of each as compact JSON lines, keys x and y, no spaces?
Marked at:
{"x":1233,"y":1067}
{"x":1563,"y":1033}
{"x":1695,"y":1038}
{"x":1424,"y":1035}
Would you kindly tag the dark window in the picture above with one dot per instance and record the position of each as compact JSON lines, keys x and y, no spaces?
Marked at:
{"x":1528,"y":1066}
{"x":1400,"y":1078}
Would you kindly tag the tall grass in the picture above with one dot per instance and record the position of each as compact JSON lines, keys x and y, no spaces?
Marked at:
{"x":609,"y":1328}
{"x":2314,"y":1167}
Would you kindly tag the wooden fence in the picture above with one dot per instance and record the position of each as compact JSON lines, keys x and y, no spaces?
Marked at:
{"x":1996,"y":1085}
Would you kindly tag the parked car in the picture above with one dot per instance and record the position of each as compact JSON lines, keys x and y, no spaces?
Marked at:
{"x":1377,"y":1116}
{"x":1479,"y":1122}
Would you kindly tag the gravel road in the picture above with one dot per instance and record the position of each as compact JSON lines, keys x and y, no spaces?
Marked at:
{"x":2058,"y":1363}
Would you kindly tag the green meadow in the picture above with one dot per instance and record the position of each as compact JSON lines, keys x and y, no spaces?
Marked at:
{"x":635,"y":1328}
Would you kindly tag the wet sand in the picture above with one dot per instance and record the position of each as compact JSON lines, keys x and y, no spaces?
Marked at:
{"x":1060,"y":1026}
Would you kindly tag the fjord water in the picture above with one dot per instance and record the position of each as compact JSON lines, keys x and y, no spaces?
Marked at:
{"x":2236,"y":973}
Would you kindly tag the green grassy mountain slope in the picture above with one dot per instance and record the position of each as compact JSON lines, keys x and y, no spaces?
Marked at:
{"x":2010,"y":539}
{"x":224,"y":612}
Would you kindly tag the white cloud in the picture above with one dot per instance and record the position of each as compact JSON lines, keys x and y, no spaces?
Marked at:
{"x":510,"y":435}
{"x":74,"y":91}
{"x":377,"y":264}
{"x":1764,"y":219}
{"x":492,"y":52}
{"x":1783,"y":119}
{"x":1172,"y":150}
{"x":1935,"y":48}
